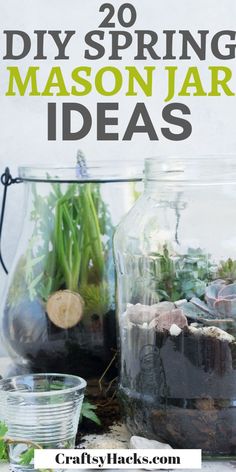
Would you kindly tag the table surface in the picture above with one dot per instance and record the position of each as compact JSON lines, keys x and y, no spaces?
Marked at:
{"x":209,"y":466}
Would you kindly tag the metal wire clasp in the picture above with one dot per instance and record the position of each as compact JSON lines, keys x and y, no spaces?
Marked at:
{"x":6,"y":180}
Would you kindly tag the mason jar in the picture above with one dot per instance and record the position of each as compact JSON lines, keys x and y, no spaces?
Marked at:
{"x":175,"y":255}
{"x":58,"y":312}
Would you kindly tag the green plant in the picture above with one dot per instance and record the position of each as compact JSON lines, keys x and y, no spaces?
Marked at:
{"x":227,"y":271}
{"x":181,"y":276}
{"x":70,"y":247}
{"x":25,"y":457}
{"x":88,"y":412}
{"x":3,"y":445}
{"x":72,"y":242}
{"x":221,"y":299}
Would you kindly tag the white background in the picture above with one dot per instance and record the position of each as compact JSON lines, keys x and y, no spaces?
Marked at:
{"x":23,"y":120}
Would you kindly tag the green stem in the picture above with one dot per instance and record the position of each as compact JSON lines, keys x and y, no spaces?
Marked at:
{"x":85,"y":262}
{"x":73,"y":249}
{"x":93,"y":230}
{"x":59,"y":242}
{"x":77,"y":237}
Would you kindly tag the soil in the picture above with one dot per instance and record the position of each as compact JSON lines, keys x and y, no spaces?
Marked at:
{"x":44,"y":347}
{"x":108,"y":409}
{"x":212,"y":429}
{"x":183,"y":392}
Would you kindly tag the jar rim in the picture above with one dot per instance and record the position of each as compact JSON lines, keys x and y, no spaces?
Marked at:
{"x":94,"y":171}
{"x":205,"y":169}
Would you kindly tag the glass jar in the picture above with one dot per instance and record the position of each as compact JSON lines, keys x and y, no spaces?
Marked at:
{"x":59,"y":310}
{"x":40,"y":410}
{"x":175,"y":256}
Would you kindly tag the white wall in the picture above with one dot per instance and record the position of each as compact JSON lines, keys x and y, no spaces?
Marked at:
{"x":23,"y":119}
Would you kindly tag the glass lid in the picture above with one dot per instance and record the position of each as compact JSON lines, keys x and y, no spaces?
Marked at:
{"x":92,"y":171}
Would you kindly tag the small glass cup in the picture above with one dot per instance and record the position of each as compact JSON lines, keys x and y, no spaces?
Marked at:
{"x":40,"y":410}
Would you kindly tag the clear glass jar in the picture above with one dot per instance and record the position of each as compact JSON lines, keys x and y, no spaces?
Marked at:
{"x":175,"y":255}
{"x":59,"y":310}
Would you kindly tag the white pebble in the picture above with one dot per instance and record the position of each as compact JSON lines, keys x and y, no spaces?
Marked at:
{"x":175,"y":330}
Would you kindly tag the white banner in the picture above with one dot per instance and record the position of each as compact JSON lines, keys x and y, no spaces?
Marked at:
{"x":118,"y":459}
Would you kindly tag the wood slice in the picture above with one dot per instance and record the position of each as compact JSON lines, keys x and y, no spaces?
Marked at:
{"x":65,"y":308}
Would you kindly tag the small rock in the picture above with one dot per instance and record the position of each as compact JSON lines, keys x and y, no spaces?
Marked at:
{"x":195,"y":331}
{"x":213,"y":332}
{"x":137,"y":442}
{"x":166,"y":320}
{"x":218,"y":333}
{"x":178,"y":303}
{"x":153,"y":323}
{"x":175,"y":330}
{"x":164,"y":307}
{"x":140,"y":314}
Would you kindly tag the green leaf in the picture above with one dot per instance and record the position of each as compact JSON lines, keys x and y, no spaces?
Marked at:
{"x":88,"y":406}
{"x":90,"y":415}
{"x":88,"y":412}
{"x":35,"y":281}
{"x":3,"y":429}
{"x":4,"y":457}
{"x":27,"y":456}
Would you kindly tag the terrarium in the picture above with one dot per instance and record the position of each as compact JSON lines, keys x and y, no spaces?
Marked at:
{"x":175,"y":256}
{"x":58,"y":311}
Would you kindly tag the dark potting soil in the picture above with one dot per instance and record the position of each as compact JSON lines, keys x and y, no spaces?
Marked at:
{"x":108,"y":413}
{"x":184,"y":392}
{"x":44,"y":347}
{"x":108,"y":409}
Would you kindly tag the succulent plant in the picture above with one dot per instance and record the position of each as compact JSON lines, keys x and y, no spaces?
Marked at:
{"x":181,"y":276}
{"x":218,"y":309}
{"x":221,"y":298}
{"x":227,"y":271}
